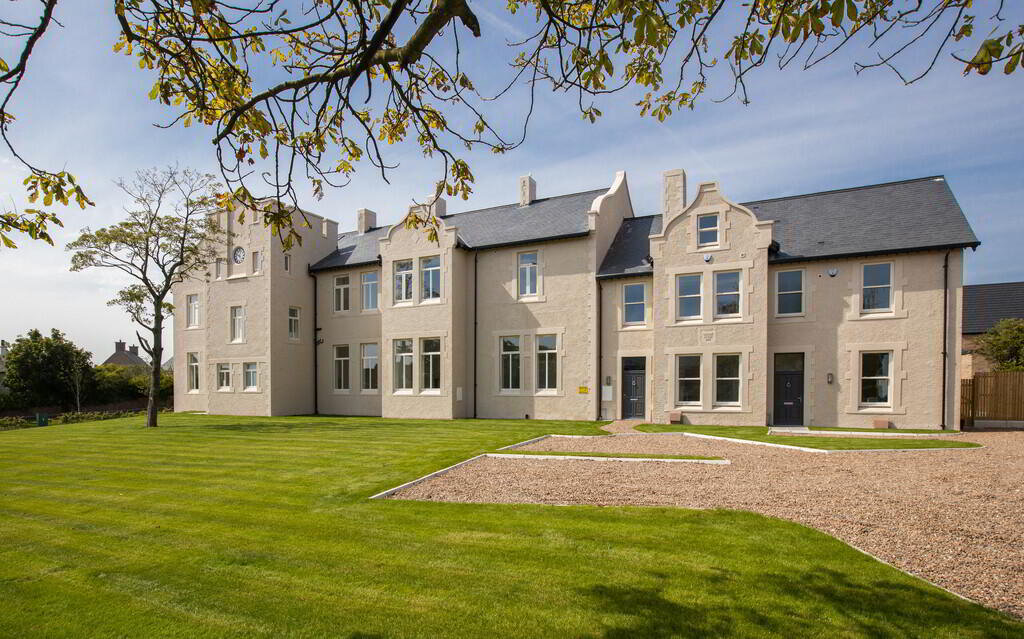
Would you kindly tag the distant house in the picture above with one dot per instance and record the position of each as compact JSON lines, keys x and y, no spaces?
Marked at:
{"x":169,"y":364}
{"x":984,"y":305}
{"x":125,"y":357}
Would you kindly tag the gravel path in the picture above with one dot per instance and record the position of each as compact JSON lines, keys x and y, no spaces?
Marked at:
{"x":954,"y":517}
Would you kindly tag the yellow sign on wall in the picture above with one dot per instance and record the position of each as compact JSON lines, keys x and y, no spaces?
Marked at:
{"x":584,"y":390}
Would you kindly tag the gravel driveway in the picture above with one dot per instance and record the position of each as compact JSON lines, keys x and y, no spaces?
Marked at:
{"x":953,"y":516}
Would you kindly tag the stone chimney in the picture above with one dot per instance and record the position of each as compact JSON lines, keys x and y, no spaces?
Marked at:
{"x":527,"y":190}
{"x":365,"y":220}
{"x":437,"y":205}
{"x":673,"y":191}
{"x":118,"y":347}
{"x":134,"y":350}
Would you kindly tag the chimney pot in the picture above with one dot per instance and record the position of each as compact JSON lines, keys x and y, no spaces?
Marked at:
{"x":118,"y":346}
{"x":673,"y":192}
{"x":134,"y":350}
{"x":365,"y":220}
{"x":527,"y":190}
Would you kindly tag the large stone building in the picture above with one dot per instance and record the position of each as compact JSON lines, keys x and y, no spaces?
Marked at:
{"x":839,"y":308}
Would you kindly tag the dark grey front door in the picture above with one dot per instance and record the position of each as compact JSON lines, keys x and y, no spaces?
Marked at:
{"x":634,"y":387}
{"x":789,"y":389}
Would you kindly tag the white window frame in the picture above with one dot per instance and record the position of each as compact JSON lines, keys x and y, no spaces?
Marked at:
{"x":738,"y":379}
{"x":223,"y":377}
{"x":864,"y":287}
{"x":698,"y":295}
{"x":342,"y":367}
{"x":642,"y":304}
{"x":287,"y":263}
{"x":342,"y":293}
{"x":427,"y":273}
{"x":237,"y":324}
{"x":369,"y":282}
{"x":405,"y":282}
{"x":257,"y":262}
{"x":509,"y":361}
{"x":294,"y":323}
{"x":738,"y":293}
{"x":250,"y":368}
{"x":716,"y":229}
{"x":699,"y":378}
{"x":779,"y":293}
{"x":525,"y":270}
{"x":430,"y":362}
{"x":220,"y":268}
{"x":192,"y":371}
{"x":887,"y":377}
{"x":192,"y":311}
{"x":368,"y":371}
{"x":544,"y":356}
{"x":404,"y":366}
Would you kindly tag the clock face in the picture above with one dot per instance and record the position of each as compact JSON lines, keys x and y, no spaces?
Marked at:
{"x":239,"y":255}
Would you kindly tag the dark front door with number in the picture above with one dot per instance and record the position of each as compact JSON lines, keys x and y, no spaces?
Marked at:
{"x":634,"y":382}
{"x":789,"y":389}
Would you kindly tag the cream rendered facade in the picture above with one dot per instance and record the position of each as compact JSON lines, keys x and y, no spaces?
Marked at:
{"x":476,"y":326}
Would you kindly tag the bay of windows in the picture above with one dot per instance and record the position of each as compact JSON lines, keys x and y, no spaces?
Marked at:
{"x":430,"y":272}
{"x":727,"y":293}
{"x":527,"y":274}
{"x":877,"y":291}
{"x":688,"y":379}
{"x":370,"y":354}
{"x":370,"y":290}
{"x":727,"y":379}
{"x":547,"y":362}
{"x":688,"y":296}
{"x":341,"y":367}
{"x":634,"y":305}
{"x":403,"y":364}
{"x":511,"y":363}
{"x":790,"y":291}
{"x":341,"y":293}
{"x":874,"y":378}
{"x":430,"y":362}
{"x":403,"y":281}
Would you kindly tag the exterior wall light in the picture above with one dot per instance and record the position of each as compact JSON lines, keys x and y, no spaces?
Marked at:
{"x":829,"y":378}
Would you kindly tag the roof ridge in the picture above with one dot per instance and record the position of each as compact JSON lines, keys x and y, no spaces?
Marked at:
{"x":994,"y":284}
{"x":540,"y":199}
{"x":847,"y":189}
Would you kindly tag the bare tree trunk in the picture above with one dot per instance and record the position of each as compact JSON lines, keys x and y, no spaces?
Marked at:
{"x":154,"y":379}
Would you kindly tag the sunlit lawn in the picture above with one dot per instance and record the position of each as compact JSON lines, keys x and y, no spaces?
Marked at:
{"x":227,"y":526}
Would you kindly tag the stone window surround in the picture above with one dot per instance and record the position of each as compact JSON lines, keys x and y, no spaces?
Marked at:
{"x":386,"y":362}
{"x":621,"y":308}
{"x":707,"y":377}
{"x":298,"y":324}
{"x":724,"y":226}
{"x":188,"y":374}
{"x":199,"y":311}
{"x":707,"y":293}
{"x":231,"y":322}
{"x":388,"y":265}
{"x":528,"y":299}
{"x":258,"y":388}
{"x":334,"y":377}
{"x":897,"y":375}
{"x":804,"y":297}
{"x":361,"y":344}
{"x":237,"y":365}
{"x":527,"y":362}
{"x":362,"y":286}
{"x":334,"y":286}
{"x":856,"y":287}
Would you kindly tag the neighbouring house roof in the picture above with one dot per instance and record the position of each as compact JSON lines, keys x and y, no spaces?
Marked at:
{"x":125,"y":357}
{"x":169,"y":364}
{"x":910,"y":215}
{"x":544,"y":219}
{"x":986,"y":304}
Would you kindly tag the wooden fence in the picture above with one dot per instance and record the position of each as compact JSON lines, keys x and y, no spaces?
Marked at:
{"x":992,"y":397}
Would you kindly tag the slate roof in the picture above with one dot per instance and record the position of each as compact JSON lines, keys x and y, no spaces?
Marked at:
{"x":563,"y":216}
{"x":910,"y":215}
{"x":986,"y":304}
{"x":125,"y":358}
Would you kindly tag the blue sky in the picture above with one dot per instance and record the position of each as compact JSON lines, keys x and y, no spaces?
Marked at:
{"x":86,"y":108}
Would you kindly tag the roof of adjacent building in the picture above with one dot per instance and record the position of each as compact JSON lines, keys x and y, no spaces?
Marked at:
{"x":544,"y":219}
{"x":125,"y":358}
{"x":986,"y":304}
{"x":909,"y":215}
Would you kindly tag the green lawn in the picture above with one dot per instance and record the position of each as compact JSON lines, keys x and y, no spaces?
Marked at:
{"x":229,"y":526}
{"x":577,"y":454}
{"x":760,"y":434}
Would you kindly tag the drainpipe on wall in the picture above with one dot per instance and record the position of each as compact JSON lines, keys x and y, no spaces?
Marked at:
{"x":945,"y":334}
{"x":476,"y":254}
{"x":316,"y":344}
{"x":600,"y":381}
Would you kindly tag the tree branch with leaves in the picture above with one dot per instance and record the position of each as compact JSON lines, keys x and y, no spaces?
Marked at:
{"x":170,"y":235}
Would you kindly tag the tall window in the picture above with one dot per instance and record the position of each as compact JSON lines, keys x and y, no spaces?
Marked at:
{"x":341,"y":360}
{"x":370,"y":290}
{"x":403,"y":281}
{"x":370,"y":355}
{"x":221,"y":267}
{"x":192,"y":311}
{"x":287,"y":263}
{"x":403,"y":364}
{"x":634,"y":306}
{"x":430,"y":271}
{"x":224,"y":376}
{"x":727,"y":293}
{"x":687,"y":296}
{"x":256,"y":263}
{"x":293,"y":322}
{"x":688,"y":377}
{"x":250,"y":376}
{"x":547,"y":362}
{"x":430,"y":363}
{"x":237,"y":323}
{"x":511,"y":364}
{"x":874,"y":378}
{"x":527,"y":274}
{"x":192,"y":362}
{"x":707,"y":229}
{"x":341,"y":294}
{"x":877,"y":295}
{"x":790,"y":291}
{"x":727,"y":379}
